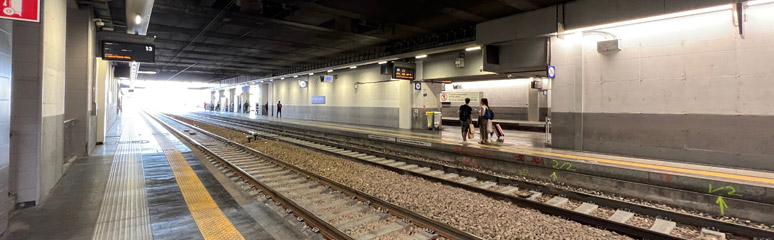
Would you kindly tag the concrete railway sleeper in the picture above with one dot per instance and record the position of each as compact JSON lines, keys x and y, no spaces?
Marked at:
{"x":334,"y":210}
{"x":653,"y":219}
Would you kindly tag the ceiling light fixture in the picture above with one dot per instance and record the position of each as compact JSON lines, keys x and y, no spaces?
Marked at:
{"x":476,"y":48}
{"x":295,"y":76}
{"x":310,"y":74}
{"x":146,"y":72}
{"x":330,"y":70}
{"x":137,"y":19}
{"x":282,"y":78}
{"x":352,"y":67}
{"x":383,"y":62}
{"x":421,"y":56}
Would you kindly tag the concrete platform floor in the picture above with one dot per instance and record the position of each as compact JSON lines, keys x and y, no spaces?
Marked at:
{"x":532,"y":143}
{"x":76,"y":207}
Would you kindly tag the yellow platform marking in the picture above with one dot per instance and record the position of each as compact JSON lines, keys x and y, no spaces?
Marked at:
{"x":212,"y":223}
{"x":610,"y":161}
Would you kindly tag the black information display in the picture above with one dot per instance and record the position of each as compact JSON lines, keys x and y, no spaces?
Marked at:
{"x":130,"y":52}
{"x":403,"y":73}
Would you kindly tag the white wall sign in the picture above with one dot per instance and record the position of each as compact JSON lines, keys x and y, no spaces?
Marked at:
{"x":460,"y":96}
{"x":417,"y":86}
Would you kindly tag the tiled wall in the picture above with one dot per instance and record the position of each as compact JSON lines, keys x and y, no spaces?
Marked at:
{"x":6,"y":31}
{"x":26,"y":111}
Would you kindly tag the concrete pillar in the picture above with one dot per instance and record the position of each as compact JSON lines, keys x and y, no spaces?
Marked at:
{"x":533,"y":110}
{"x":36,"y":162}
{"x":101,"y":79}
{"x":6,"y":35}
{"x":80,"y":71}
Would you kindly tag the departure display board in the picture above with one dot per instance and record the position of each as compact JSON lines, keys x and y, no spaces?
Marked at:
{"x":130,"y":52}
{"x":403,"y":73}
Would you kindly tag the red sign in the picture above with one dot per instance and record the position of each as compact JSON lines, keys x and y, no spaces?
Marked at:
{"x":25,"y":10}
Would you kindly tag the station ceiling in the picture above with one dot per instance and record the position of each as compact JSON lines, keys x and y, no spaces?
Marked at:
{"x":207,"y":40}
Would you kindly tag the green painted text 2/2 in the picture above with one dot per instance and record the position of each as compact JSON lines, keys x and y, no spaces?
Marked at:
{"x":731,"y":191}
{"x":563,"y":165}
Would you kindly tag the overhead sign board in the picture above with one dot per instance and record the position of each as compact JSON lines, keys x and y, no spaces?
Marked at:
{"x":328,"y":78}
{"x":459,"y":97}
{"x":130,"y":52}
{"x":318,"y":99}
{"x":24,"y":10}
{"x":403,"y":73}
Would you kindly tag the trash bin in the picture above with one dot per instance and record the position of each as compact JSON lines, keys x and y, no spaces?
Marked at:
{"x":437,"y":120}
{"x":429,"y":119}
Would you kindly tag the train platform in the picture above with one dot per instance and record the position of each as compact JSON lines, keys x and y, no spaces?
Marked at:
{"x":143,"y":183}
{"x":524,"y":154}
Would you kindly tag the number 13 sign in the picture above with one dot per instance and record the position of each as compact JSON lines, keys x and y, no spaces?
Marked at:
{"x":24,"y":10}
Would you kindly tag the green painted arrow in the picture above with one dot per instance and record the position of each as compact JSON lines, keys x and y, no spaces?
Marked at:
{"x":722,"y":204}
{"x":553,"y":176}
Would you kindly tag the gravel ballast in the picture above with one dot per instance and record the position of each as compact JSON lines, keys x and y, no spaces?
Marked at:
{"x":469,"y":211}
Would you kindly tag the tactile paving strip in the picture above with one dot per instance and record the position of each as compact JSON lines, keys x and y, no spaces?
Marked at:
{"x":124,"y":210}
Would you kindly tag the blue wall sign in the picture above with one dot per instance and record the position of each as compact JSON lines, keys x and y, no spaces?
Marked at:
{"x":417,"y":86}
{"x":318,"y":99}
{"x":551,"y":71}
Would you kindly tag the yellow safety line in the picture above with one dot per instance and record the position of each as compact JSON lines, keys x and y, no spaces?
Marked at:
{"x":611,"y":161}
{"x":212,"y":223}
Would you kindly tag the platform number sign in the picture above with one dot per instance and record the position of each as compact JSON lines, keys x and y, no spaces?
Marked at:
{"x":551,"y":71}
{"x":24,"y":10}
{"x":417,"y":86}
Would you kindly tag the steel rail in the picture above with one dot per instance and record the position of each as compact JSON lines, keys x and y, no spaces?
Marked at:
{"x":325,"y":229}
{"x":694,"y":220}
{"x":439,"y":228}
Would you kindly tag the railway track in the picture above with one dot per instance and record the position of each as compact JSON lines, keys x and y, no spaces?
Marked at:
{"x":606,"y":213}
{"x":334,"y":210}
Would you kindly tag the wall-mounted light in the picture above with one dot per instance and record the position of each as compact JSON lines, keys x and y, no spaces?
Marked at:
{"x":383,"y":62}
{"x":421,"y":56}
{"x":330,"y":70}
{"x":476,"y":48}
{"x":138,"y":19}
{"x":651,"y":19}
{"x":352,"y":67}
{"x":758,"y":2}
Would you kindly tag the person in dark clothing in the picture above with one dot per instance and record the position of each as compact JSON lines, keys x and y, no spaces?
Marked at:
{"x":279,"y":109}
{"x":217,"y":108}
{"x":245,"y":108}
{"x":466,"y":117}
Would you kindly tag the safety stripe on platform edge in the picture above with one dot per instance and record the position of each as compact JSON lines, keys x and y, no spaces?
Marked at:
{"x":212,"y":223}
{"x":610,"y":161}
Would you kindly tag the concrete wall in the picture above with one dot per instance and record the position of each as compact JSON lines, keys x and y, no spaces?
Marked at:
{"x":53,"y":68}
{"x":38,"y":104}
{"x":80,"y":71}
{"x":686,"y":89}
{"x":6,"y":35}
{"x":372,"y":103}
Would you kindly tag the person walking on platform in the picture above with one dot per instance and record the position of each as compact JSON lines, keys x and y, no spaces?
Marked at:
{"x":279,"y":109}
{"x":484,"y":116}
{"x":246,"y":107}
{"x":466,"y":117}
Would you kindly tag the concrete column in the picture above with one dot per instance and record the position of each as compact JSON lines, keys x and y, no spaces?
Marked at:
{"x":6,"y":35}
{"x":101,"y":79}
{"x":36,"y":161}
{"x":80,"y":60}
